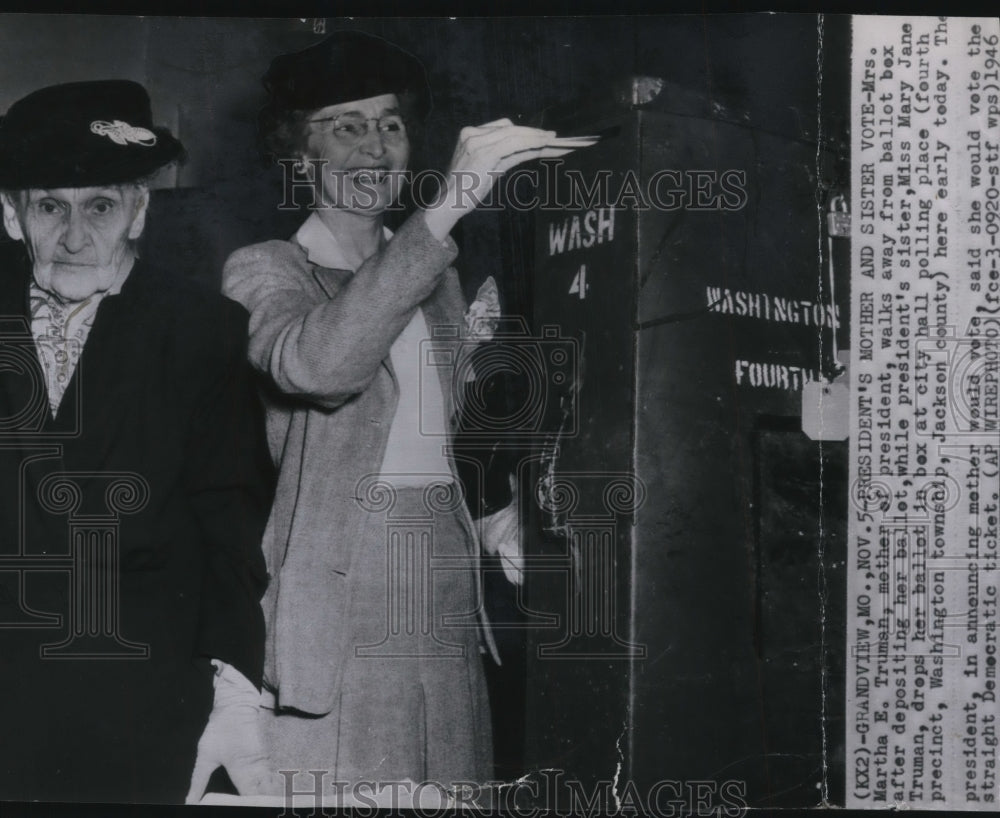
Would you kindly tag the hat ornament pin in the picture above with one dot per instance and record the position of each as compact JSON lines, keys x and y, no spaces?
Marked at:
{"x":83,"y":134}
{"x":121,"y":133}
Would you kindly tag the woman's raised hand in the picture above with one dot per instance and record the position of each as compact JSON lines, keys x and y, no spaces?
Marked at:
{"x":482,"y":155}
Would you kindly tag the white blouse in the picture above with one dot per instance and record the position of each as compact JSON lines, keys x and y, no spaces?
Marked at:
{"x":414,"y":454}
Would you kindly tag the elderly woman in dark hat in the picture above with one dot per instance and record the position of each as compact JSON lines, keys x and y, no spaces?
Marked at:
{"x":134,"y":477}
{"x":373,"y":665}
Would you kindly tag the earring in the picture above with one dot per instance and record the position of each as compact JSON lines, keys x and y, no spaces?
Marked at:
{"x":300,"y":167}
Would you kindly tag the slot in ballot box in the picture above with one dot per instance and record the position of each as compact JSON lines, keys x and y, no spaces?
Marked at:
{"x":686,"y":538}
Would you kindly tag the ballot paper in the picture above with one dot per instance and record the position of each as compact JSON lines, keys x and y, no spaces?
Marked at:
{"x":732,"y":334}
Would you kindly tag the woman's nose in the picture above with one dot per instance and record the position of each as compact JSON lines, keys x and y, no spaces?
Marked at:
{"x":74,"y":237}
{"x":372,"y":144}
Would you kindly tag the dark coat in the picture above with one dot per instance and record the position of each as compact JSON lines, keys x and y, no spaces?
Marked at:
{"x":161,"y":435}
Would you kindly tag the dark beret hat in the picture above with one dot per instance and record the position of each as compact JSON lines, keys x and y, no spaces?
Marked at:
{"x":346,"y":66}
{"x":82,"y":134}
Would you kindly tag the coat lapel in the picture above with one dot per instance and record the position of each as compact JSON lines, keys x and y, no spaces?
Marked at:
{"x":24,"y":400}
{"x":330,"y":280}
{"x":110,"y":373}
{"x":444,"y":310}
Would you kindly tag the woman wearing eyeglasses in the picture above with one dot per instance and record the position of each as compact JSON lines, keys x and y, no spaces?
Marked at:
{"x":373,"y":667}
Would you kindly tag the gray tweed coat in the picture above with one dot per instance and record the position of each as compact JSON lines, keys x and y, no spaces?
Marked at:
{"x":322,"y":339}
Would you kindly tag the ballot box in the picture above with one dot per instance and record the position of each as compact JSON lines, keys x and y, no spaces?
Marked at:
{"x":685,"y":535}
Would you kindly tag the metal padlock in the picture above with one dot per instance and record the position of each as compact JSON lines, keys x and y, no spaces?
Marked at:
{"x":838,"y":218}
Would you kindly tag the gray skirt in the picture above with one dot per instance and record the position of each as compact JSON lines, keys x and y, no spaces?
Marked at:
{"x":412,"y":703}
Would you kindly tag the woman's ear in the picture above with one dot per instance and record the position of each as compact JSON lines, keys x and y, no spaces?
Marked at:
{"x":11,"y":222}
{"x":139,"y":220}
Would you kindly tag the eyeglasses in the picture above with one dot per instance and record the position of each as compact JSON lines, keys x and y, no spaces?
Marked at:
{"x":351,"y":129}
